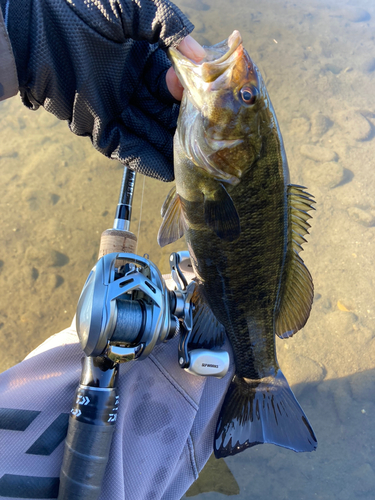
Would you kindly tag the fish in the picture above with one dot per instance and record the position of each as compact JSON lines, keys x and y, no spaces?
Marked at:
{"x":244,"y":224}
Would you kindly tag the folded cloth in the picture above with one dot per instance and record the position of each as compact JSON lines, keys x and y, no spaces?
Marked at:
{"x":164,"y":431}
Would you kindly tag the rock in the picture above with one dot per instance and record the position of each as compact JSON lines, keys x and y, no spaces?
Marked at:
{"x":319,"y":124}
{"x":361,"y":216}
{"x":354,"y":124}
{"x":328,"y":174}
{"x":368,"y":66}
{"x":318,"y":153}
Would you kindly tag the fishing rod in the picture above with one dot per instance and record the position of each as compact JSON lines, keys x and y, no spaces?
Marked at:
{"x":125,"y":309}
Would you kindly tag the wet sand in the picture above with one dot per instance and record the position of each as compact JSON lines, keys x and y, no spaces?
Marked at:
{"x":318,"y":61}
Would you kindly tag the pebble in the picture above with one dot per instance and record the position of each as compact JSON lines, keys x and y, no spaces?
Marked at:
{"x":328,"y":174}
{"x":319,"y":124}
{"x":318,"y":153}
{"x":361,"y":216}
{"x":354,"y":124}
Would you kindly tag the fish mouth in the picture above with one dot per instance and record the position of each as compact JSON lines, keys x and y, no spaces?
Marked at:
{"x":199,"y":76}
{"x":220,"y":70}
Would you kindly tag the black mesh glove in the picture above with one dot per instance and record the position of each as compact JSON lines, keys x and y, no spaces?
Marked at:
{"x":101,"y":65}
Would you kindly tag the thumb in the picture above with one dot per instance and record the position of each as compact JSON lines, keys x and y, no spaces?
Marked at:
{"x":190,"y":48}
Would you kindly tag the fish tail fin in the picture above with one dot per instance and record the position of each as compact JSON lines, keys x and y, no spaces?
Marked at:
{"x":261,"y":411}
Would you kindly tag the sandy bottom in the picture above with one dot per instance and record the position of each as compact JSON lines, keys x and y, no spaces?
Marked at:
{"x":318,"y":61}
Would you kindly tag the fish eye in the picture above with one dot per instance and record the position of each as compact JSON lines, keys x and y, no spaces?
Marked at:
{"x":249,"y":95}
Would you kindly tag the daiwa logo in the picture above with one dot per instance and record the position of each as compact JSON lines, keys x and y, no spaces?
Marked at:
{"x":208,"y":365}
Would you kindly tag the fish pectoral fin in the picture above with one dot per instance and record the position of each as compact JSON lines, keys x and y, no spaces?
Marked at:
{"x":297,"y":291}
{"x":221,"y":215}
{"x":207,"y":332}
{"x":173,"y":225}
{"x":261,"y":411}
{"x":168,"y":200}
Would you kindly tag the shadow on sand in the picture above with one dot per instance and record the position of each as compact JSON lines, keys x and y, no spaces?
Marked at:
{"x":342,"y":413}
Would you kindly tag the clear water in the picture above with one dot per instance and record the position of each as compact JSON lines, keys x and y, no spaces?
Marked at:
{"x":58,"y":195}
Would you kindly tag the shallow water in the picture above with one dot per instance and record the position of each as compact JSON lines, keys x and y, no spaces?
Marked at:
{"x":318,"y":61}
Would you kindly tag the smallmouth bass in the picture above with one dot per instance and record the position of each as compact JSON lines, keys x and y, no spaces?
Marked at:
{"x":244,"y":226}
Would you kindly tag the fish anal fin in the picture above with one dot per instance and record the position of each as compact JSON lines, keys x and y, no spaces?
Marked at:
{"x":261,"y":411}
{"x":221,"y":215}
{"x":207,"y":332}
{"x":173,"y":226}
{"x":297,"y":290}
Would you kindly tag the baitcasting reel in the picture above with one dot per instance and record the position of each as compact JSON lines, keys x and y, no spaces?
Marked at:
{"x":125,"y":309}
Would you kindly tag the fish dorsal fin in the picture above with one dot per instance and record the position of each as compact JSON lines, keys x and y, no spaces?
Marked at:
{"x":173,"y":226}
{"x":207,"y":332}
{"x":221,"y":215}
{"x":297,"y":290}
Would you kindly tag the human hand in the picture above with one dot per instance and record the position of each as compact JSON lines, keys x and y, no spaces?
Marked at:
{"x":104,"y":71}
{"x":190,"y":48}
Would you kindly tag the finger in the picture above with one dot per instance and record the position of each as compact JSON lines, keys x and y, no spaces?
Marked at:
{"x":174,"y":85}
{"x":192,"y":49}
